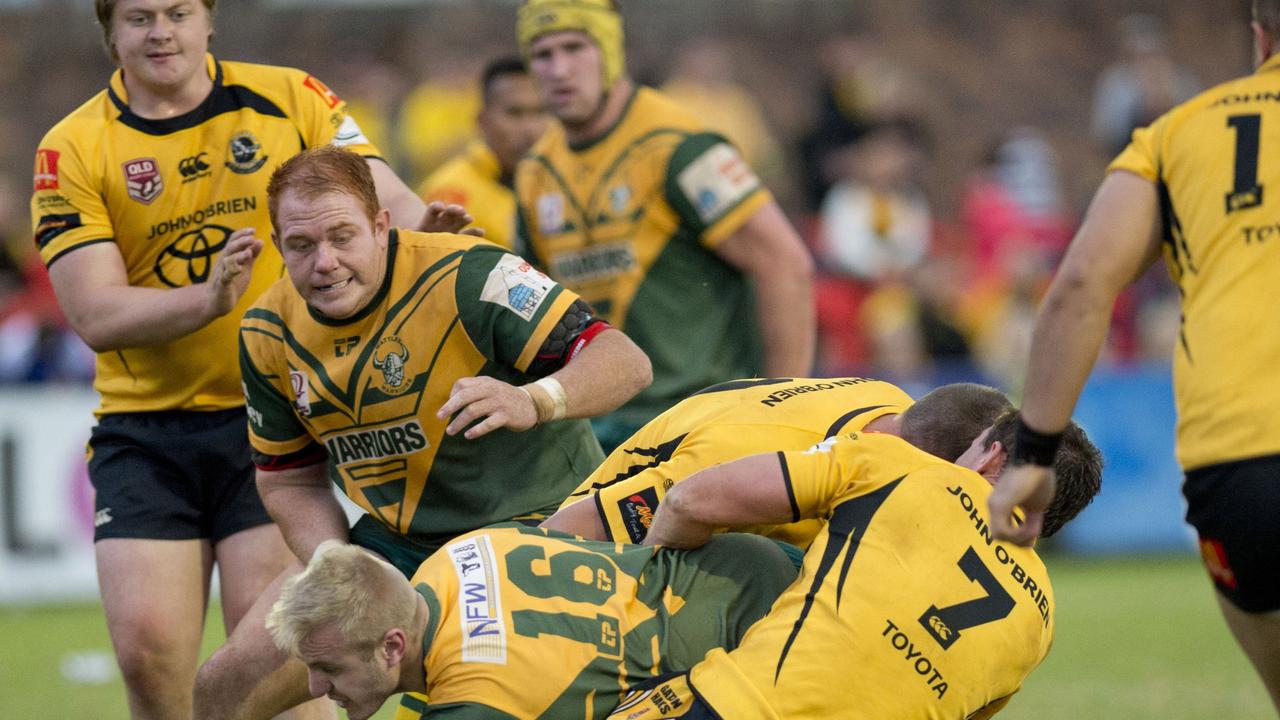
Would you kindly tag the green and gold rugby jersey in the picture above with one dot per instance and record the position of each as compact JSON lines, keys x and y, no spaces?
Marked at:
{"x":725,"y":422}
{"x":1212,"y":159}
{"x":367,"y":388}
{"x":905,"y":606}
{"x":527,"y":624}
{"x":168,"y":193}
{"x":629,"y":223}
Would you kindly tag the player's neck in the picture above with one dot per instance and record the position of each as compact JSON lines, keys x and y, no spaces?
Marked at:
{"x":604,"y":118}
{"x":413,"y":671}
{"x":158,"y":103}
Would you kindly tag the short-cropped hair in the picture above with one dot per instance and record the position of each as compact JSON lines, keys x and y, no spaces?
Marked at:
{"x":322,"y":170}
{"x":945,"y":421}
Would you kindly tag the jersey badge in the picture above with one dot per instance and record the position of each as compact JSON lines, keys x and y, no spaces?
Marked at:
{"x":51,"y":226}
{"x":514,"y":284}
{"x":301,"y":392}
{"x":330,"y":98}
{"x":244,"y":149}
{"x":390,"y":357}
{"x":142,"y":180}
{"x":46,"y":172}
{"x":484,"y":637}
{"x":551,"y":213}
{"x":637,"y":513}
{"x":717,"y":181}
{"x":194,"y":167}
{"x":349,"y":133}
{"x":619,"y":196}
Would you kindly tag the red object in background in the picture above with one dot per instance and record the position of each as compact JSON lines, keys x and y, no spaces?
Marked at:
{"x":36,"y":297}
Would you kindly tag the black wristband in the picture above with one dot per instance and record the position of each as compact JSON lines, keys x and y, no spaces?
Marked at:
{"x":1033,"y":447}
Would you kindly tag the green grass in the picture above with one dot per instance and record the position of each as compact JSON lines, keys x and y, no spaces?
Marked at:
{"x":1137,"y":638}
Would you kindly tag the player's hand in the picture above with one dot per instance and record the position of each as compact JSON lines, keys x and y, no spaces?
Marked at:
{"x":451,"y":218}
{"x":1029,"y":488}
{"x":494,"y":403}
{"x":230,"y":276}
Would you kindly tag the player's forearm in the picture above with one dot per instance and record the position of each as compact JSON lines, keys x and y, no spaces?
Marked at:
{"x":306,"y":510}
{"x":126,"y":316}
{"x":784,"y":306}
{"x":609,"y":371}
{"x":748,"y":491}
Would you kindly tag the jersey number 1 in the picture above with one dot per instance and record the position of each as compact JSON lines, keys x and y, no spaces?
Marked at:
{"x":1245,"y":192}
{"x":945,"y":624}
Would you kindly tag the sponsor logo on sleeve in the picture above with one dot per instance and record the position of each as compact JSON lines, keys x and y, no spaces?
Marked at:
{"x":323,"y":91}
{"x":142,"y":180}
{"x":51,"y":226}
{"x":717,"y":181}
{"x":514,"y":284}
{"x":301,"y":392}
{"x":349,"y":133}
{"x":484,"y":635}
{"x":637,"y":513}
{"x":243,"y":150}
{"x":46,"y":171}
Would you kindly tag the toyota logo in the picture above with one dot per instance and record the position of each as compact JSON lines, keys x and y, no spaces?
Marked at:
{"x":195,"y":250}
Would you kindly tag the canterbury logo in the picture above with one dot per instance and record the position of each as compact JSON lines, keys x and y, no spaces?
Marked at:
{"x":102,"y":517}
{"x":940,"y":628}
{"x":193,"y":165}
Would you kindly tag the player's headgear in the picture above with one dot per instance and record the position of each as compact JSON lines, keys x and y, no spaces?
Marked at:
{"x":599,"y":19}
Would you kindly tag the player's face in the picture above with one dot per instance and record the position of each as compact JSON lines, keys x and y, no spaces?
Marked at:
{"x":512,"y":119}
{"x":356,"y":682}
{"x":568,"y":68}
{"x":161,"y":43}
{"x":335,"y":256}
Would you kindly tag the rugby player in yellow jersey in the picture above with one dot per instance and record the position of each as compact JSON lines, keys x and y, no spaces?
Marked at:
{"x":510,"y":121}
{"x":438,"y":381}
{"x":508,"y":623}
{"x":1193,"y":186}
{"x":906,"y":607}
{"x":149,"y":202}
{"x":635,"y":205}
{"x":743,"y":417}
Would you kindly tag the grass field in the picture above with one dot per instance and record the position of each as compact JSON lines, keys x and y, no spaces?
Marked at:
{"x":1137,"y":638}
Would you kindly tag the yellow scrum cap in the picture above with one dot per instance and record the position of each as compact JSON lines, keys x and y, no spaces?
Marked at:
{"x":599,"y":19}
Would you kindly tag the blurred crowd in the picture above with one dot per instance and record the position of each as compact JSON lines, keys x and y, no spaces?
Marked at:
{"x":936,"y":170}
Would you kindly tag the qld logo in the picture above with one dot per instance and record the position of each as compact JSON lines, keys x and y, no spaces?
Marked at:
{"x":301,"y":392}
{"x":390,"y":357}
{"x":244,"y":149}
{"x":142,"y":180}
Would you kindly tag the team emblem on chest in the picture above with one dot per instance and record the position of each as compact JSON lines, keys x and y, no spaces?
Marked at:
{"x":142,"y":180}
{"x":244,"y":149}
{"x":390,"y":357}
{"x":301,"y":392}
{"x":551,"y":213}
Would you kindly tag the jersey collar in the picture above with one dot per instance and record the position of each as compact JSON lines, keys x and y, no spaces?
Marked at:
{"x":626,"y":112}
{"x":120,"y":97}
{"x":393,"y":242}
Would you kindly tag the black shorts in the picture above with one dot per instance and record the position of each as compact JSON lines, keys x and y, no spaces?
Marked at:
{"x":1235,"y":508}
{"x":173,"y":475}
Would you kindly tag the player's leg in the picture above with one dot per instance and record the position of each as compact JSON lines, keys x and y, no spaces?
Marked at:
{"x":154,"y":594}
{"x":249,"y":677}
{"x":1259,"y":637}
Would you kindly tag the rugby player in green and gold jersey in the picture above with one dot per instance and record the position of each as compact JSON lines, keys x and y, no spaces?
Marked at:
{"x":743,"y":417}
{"x":149,"y":202}
{"x":437,"y":380}
{"x":906,"y":606}
{"x":635,"y":205}
{"x":1193,"y":187}
{"x":516,"y":623}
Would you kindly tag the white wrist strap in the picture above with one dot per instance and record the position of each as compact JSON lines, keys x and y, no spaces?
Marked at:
{"x":558,"y":398}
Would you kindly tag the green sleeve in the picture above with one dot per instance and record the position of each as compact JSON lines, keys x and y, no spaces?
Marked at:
{"x":503,"y":303}
{"x":706,"y":180}
{"x":271,"y":414}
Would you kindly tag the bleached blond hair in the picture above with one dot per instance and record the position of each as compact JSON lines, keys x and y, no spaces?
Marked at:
{"x":346,"y":587}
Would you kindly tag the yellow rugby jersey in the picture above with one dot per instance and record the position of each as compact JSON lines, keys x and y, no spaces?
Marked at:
{"x":526,"y":624}
{"x":367,"y":388}
{"x":629,"y":223}
{"x":168,"y":193}
{"x":1212,"y":159}
{"x":904,"y":607}
{"x":474,"y":180}
{"x":725,"y":422}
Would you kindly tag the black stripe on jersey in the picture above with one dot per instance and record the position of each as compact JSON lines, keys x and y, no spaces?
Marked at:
{"x":791,"y":493}
{"x":657,"y":455}
{"x":1172,"y":236}
{"x":845,"y":418}
{"x":845,"y":530}
{"x":222,"y":99}
{"x":741,"y":385}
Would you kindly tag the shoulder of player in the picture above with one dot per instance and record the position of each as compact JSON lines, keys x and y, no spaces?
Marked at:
{"x":83,"y":126}
{"x":655,"y":106}
{"x":441,"y":243}
{"x":282,"y":85}
{"x":1231,"y":91}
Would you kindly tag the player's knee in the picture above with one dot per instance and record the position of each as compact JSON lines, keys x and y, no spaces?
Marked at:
{"x":149,"y":665}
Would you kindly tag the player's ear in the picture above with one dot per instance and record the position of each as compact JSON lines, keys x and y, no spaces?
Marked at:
{"x":382,"y":223}
{"x":992,"y":461}
{"x":394,"y":645}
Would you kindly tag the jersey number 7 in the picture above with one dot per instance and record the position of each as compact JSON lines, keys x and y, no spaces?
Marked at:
{"x":945,"y":624}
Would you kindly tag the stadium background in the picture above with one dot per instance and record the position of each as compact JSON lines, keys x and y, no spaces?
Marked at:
{"x":976,"y":116}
